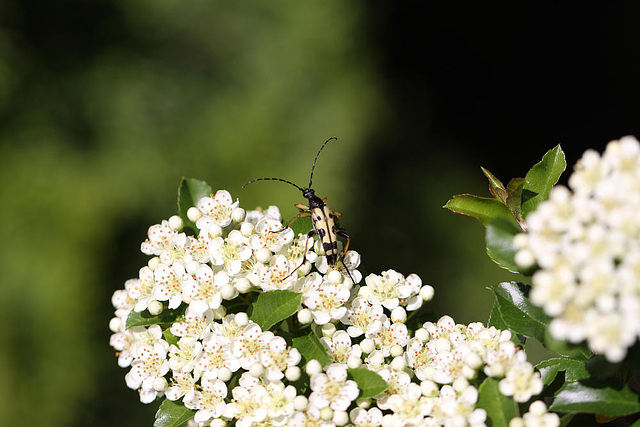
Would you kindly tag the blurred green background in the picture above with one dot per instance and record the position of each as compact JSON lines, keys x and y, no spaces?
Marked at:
{"x":105,"y":105}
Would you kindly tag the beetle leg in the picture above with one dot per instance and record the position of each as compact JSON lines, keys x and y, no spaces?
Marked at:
{"x":300,"y":215}
{"x":304,"y":255}
{"x":342,"y":233}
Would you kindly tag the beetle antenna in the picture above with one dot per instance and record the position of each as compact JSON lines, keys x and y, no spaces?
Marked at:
{"x":314,"y":160}
{"x":271,"y":179}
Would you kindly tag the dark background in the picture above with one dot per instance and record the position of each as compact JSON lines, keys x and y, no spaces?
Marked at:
{"x":104,"y":105}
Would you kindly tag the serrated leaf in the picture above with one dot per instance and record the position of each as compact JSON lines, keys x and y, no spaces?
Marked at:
{"x":574,"y":369}
{"x":302,"y":225}
{"x":496,"y":187}
{"x":518,"y":312}
{"x":564,"y":348}
{"x":500,"y":408}
{"x":499,"y":239}
{"x":541,"y":178}
{"x":514,"y":200}
{"x":576,"y":397}
{"x":189,"y":192}
{"x":311,"y":348}
{"x":484,"y":209}
{"x":274,"y":306}
{"x":495,"y":320}
{"x":144,"y":318}
{"x":172,"y":414}
{"x":370,"y":383}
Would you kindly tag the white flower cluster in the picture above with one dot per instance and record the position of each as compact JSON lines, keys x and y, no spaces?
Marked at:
{"x":537,"y":416}
{"x":432,"y":375}
{"x":585,"y":240}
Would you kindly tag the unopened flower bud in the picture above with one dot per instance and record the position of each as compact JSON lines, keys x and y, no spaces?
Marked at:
{"x":326,"y":413}
{"x":241,"y":318}
{"x":399,"y":314}
{"x":340,"y":418}
{"x":175,"y":223}
{"x":246,"y":228}
{"x":304,"y":316}
{"x":300,"y":403}
{"x":263,"y":255}
{"x":328,"y":330}
{"x":155,"y":308}
{"x":293,"y":373}
{"x":160,"y":384}
{"x":194,"y":214}
{"x":367,"y":345}
{"x":313,"y":367}
{"x":238,"y":214}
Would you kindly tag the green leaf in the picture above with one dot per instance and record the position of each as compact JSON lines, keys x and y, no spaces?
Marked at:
{"x":144,"y":318}
{"x":500,"y":408}
{"x":484,"y":209}
{"x":310,"y":347}
{"x":541,"y":179}
{"x":274,"y":306}
{"x":514,"y":200}
{"x":518,"y":312}
{"x":172,"y":414}
{"x":495,"y":186}
{"x":302,"y":225}
{"x":189,"y":192}
{"x":370,"y":383}
{"x":499,"y":237}
{"x":576,"y":397}
{"x":169,"y":337}
{"x":496,"y":320}
{"x":574,"y":369}
{"x":564,"y":348}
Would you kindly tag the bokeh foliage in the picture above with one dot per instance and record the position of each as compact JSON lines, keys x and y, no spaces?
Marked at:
{"x":105,"y":105}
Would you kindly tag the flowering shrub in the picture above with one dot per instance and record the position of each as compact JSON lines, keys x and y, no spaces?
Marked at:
{"x":580,"y":244}
{"x":239,"y":319}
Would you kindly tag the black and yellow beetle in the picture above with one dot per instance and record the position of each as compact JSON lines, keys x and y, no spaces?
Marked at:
{"x":325,"y":221}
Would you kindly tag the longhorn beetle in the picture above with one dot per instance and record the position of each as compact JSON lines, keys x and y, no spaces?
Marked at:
{"x":325,"y":220}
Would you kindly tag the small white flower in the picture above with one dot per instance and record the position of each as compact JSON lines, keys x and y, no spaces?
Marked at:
{"x":386,"y":289}
{"x":215,"y":210}
{"x":142,"y":289}
{"x":278,"y":357}
{"x":229,"y":253}
{"x":326,"y":302}
{"x":537,"y":416}
{"x":150,"y":363}
{"x":159,"y":240}
{"x":409,"y":406}
{"x":276,"y":275}
{"x":182,"y":384}
{"x":248,"y":346}
{"x":183,"y":356}
{"x":390,"y":335}
{"x":168,"y":284}
{"x":203,"y":290}
{"x":363,"y":317}
{"x":521,"y":382}
{"x":610,"y":334}
{"x":361,"y":417}
{"x":193,"y":326}
{"x":270,"y":234}
{"x":340,"y":348}
{"x":278,"y":402}
{"x":208,"y":400}
{"x":333,"y":389}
